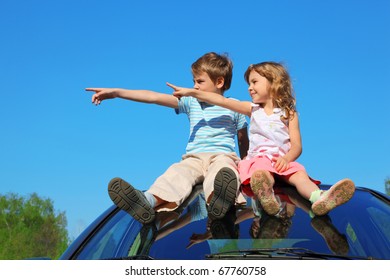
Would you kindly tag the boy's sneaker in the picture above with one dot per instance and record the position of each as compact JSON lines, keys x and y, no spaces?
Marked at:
{"x":225,"y":191}
{"x":262,"y":187}
{"x":133,"y":201}
{"x":338,"y":194}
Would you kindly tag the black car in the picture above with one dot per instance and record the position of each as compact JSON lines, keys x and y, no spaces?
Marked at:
{"x":359,"y":229}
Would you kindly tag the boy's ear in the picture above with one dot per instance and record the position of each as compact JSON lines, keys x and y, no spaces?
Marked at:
{"x":220,"y":82}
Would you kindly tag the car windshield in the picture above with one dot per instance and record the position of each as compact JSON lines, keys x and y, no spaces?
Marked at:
{"x":358,"y":229}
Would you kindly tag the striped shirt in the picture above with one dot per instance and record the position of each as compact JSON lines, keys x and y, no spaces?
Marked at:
{"x":212,"y":128}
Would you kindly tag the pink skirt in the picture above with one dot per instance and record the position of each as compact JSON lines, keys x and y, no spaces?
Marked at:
{"x":247,"y":167}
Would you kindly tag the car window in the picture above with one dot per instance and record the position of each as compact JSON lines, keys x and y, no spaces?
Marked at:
{"x":367,"y":228}
{"x":112,"y":239}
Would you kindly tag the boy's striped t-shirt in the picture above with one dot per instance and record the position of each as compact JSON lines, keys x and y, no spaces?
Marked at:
{"x":212,"y":128}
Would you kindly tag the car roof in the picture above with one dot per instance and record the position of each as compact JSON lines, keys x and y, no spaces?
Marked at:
{"x":359,"y":229}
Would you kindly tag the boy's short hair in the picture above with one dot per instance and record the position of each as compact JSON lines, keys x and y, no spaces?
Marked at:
{"x":215,"y":65}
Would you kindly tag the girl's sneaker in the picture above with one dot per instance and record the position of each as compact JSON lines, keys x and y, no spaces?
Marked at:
{"x":337,"y":195}
{"x":133,"y":201}
{"x":262,"y":187}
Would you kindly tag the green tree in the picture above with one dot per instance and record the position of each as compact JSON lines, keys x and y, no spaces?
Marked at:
{"x":29,"y":227}
{"x":387,"y":186}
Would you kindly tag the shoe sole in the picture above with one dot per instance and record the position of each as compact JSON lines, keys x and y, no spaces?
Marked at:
{"x":338,"y":194}
{"x":225,"y":191}
{"x":133,"y":201}
{"x":262,"y":187}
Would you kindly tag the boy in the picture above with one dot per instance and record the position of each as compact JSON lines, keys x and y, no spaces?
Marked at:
{"x":210,"y":154}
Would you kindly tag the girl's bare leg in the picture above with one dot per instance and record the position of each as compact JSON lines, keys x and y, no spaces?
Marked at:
{"x":303,"y":184}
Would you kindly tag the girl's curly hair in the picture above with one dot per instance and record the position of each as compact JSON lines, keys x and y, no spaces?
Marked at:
{"x":281,"y":89}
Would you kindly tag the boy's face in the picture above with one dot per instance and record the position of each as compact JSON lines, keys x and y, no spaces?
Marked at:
{"x":203,"y":82}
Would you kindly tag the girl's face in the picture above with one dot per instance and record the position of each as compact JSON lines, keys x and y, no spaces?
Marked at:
{"x":203,"y":82}
{"x":259,"y":88}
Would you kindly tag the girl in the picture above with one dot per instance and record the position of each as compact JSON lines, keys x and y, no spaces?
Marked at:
{"x":275,"y":140}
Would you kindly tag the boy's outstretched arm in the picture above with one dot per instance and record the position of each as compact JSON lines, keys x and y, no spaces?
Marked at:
{"x":242,"y":107}
{"x":145,"y":96}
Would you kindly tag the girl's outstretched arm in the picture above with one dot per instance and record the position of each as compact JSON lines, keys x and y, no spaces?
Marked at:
{"x":145,"y":96}
{"x":243,"y":107}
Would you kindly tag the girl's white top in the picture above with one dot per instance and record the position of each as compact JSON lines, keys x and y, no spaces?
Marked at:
{"x":268,"y":135}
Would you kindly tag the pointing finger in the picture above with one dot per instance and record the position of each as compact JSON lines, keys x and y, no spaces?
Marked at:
{"x":172,"y":86}
{"x":93,"y":89}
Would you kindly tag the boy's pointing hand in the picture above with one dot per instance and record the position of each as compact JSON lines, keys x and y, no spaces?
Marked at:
{"x":179,"y":91}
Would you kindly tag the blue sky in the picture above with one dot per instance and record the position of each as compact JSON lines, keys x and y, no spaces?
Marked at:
{"x":56,"y":143}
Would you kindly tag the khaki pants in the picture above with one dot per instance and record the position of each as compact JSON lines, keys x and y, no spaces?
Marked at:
{"x":176,"y":184}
